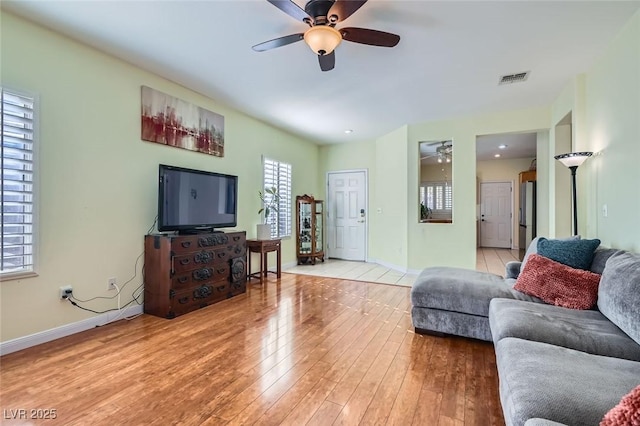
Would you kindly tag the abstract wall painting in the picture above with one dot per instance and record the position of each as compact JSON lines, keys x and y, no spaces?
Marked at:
{"x":174,"y":122}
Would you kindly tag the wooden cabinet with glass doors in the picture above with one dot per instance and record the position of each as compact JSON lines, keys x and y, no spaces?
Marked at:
{"x":309,"y":229}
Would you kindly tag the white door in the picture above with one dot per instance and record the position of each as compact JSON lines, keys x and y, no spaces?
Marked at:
{"x":347,"y":215}
{"x":496,"y":222}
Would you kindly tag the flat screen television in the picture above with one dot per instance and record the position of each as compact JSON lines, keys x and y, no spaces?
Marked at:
{"x":195,"y":201}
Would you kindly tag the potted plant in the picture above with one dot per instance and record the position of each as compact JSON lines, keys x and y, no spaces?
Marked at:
{"x":270,"y":200}
{"x":425,"y":212}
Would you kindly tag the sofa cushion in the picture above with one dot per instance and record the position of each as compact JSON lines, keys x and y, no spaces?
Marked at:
{"x":574,"y":253}
{"x":600,"y":257}
{"x":533,"y":248}
{"x":448,"y":322}
{"x":626,"y":413}
{"x":558,"y":284}
{"x":619,"y":292}
{"x":538,"y":380}
{"x":585,"y":331}
{"x":460,"y":290}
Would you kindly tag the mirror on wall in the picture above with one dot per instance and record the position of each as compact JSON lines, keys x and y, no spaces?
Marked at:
{"x":435,"y":193}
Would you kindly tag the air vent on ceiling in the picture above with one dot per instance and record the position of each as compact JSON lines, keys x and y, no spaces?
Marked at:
{"x":514,"y":78}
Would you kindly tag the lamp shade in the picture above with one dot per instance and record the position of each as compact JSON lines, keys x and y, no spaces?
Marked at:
{"x":322,"y":39}
{"x":573,"y":159}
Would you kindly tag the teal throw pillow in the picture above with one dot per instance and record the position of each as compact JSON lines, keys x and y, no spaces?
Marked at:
{"x":575,"y":253}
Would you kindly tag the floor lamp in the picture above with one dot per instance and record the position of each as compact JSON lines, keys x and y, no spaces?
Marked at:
{"x":572,"y":160}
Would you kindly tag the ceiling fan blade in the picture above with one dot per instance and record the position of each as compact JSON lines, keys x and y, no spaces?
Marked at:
{"x":327,"y":62}
{"x":278,"y":42}
{"x":291,"y":9}
{"x":370,"y":37}
{"x":342,"y":9}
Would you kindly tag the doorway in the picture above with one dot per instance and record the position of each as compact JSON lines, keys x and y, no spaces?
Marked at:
{"x":496,"y":215}
{"x":347,"y":215}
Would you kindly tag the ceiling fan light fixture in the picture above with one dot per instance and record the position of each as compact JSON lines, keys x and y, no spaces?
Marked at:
{"x":322,"y":39}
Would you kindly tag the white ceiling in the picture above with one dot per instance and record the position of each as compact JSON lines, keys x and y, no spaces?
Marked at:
{"x":518,"y":145}
{"x":448,"y":62}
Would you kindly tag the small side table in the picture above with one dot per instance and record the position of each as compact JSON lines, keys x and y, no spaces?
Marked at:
{"x":263,"y":247}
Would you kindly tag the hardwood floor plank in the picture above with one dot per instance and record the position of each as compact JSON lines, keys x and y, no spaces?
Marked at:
{"x":311,"y":404}
{"x":507,"y":255}
{"x":453,"y":394}
{"x":494,"y":264}
{"x":481,"y":263}
{"x":354,"y":409}
{"x":325,"y":415}
{"x":406,"y":400}
{"x":297,"y":350}
{"x":380,"y":406}
{"x":427,"y":411}
{"x":439,"y":363}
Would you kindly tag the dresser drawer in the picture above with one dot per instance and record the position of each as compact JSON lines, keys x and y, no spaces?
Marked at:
{"x":182,"y":244}
{"x":200,"y":259}
{"x":184,"y":301}
{"x":213,"y":273}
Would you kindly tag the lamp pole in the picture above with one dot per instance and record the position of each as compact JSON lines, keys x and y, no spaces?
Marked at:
{"x":575,"y":198}
{"x":572,"y":160}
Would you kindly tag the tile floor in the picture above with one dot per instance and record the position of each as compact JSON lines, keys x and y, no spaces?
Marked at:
{"x":488,"y":260}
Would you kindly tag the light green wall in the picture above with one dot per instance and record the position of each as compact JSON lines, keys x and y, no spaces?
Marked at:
{"x":396,"y":237}
{"x":388,"y":229}
{"x":455,"y":244}
{"x":98,"y":180}
{"x":612,"y":114}
{"x":542,"y":183}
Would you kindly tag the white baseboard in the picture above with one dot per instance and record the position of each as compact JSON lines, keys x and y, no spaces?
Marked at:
{"x":391,"y":266}
{"x":286,"y":266}
{"x":66,"y":330}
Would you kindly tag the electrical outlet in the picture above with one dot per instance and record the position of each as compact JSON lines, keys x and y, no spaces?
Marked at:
{"x":65,"y":292}
{"x":111,"y":283}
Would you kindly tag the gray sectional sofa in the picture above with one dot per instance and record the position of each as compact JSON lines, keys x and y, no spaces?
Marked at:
{"x":555,"y":365}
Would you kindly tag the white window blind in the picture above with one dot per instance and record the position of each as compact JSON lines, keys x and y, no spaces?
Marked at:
{"x":278,"y":175}
{"x":437,"y":196}
{"x":17,"y":224}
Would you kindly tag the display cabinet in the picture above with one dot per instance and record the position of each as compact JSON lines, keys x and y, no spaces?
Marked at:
{"x":309,"y":229}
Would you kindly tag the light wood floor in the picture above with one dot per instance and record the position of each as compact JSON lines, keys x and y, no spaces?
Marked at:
{"x":494,"y":259}
{"x":300,"y":350}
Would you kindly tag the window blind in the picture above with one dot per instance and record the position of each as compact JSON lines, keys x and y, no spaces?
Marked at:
{"x":17,"y":223}
{"x":278,"y":175}
{"x":437,"y":196}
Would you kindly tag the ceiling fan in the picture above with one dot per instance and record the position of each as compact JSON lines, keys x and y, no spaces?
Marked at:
{"x":322,"y":37}
{"x":443,"y":152}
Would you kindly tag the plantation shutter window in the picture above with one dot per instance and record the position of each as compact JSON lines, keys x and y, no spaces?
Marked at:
{"x":278,"y":175}
{"x":437,"y":196}
{"x":17,"y":223}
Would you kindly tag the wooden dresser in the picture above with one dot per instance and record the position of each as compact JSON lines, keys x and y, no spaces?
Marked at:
{"x":187,"y":272}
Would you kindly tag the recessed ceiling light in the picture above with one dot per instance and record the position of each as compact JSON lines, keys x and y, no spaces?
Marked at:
{"x":503,"y":146}
{"x":497,"y":155}
{"x":348,"y":131}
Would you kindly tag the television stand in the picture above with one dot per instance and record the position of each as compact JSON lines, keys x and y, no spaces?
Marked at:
{"x":187,"y":272}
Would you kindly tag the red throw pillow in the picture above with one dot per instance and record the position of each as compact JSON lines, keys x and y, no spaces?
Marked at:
{"x":558,"y":284}
{"x":626,"y":413}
